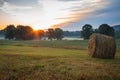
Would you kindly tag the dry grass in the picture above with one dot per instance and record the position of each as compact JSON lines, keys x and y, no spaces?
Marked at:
{"x":46,"y":63}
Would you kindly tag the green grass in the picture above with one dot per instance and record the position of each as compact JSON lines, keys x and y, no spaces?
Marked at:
{"x":54,"y":60}
{"x":59,"y":44}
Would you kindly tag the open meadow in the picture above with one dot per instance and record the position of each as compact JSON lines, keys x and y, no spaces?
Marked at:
{"x":54,"y":60}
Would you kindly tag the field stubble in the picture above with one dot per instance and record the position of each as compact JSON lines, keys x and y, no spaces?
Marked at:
{"x":54,"y":60}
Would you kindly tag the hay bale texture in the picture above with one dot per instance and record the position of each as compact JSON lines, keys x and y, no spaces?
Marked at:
{"x":101,"y":46}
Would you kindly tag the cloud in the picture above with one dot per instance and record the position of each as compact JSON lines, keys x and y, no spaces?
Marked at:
{"x":12,"y":9}
{"x":79,"y":9}
{"x":1,"y":2}
{"x":52,"y":12}
{"x":15,"y":11}
{"x":108,"y":14}
{"x":68,"y":0}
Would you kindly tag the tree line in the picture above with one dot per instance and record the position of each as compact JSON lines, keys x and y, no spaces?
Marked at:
{"x":21,"y":32}
{"x":105,"y":29}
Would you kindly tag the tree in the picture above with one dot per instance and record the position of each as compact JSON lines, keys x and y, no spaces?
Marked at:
{"x":1,"y":32}
{"x":9,"y":32}
{"x":19,"y":32}
{"x":86,"y":31}
{"x":28,"y":33}
{"x":95,"y":31}
{"x":58,"y":34}
{"x":24,"y":33}
{"x":38,"y":34}
{"x":106,"y":29}
{"x":117,"y":34}
{"x":51,"y":34}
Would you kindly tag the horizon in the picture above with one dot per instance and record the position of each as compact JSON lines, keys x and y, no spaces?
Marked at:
{"x":70,"y":16}
{"x":63,"y":29}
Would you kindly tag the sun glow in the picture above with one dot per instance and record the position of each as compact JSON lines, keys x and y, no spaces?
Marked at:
{"x":39,"y":17}
{"x":48,"y":13}
{"x":51,"y":12}
{"x":40,"y":26}
{"x":46,"y":23}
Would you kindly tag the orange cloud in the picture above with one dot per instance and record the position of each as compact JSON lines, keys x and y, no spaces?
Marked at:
{"x":51,"y":12}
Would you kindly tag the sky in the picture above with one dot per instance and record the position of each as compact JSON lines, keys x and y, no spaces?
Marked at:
{"x":66,"y":14}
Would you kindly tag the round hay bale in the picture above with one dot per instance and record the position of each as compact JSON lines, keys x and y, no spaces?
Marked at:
{"x":101,"y":46}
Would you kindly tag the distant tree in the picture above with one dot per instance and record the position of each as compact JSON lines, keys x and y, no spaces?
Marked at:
{"x":58,"y":34}
{"x":117,"y":34}
{"x":9,"y":32}
{"x":112,"y":32}
{"x":29,"y":33}
{"x":86,"y":31}
{"x":96,"y":31}
{"x":81,"y":34}
{"x":38,"y":34}
{"x":19,"y":32}
{"x":71,"y":33}
{"x":1,"y":32}
{"x":106,"y":29}
{"x":51,"y":34}
{"x":24,"y":33}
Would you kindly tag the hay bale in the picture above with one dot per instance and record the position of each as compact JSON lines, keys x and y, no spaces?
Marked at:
{"x":101,"y":46}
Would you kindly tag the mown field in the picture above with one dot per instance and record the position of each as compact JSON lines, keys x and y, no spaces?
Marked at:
{"x":54,"y":60}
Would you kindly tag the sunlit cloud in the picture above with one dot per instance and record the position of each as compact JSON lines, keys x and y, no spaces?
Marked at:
{"x":48,"y":13}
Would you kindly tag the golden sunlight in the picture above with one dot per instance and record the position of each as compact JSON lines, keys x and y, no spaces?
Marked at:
{"x":50,"y":16}
{"x":40,"y":26}
{"x":48,"y":13}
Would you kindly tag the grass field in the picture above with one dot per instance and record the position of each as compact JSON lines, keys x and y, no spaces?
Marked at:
{"x":54,"y":60}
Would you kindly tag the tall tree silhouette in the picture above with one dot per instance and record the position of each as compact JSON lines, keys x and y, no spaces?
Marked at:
{"x":24,"y":32}
{"x":58,"y":33}
{"x":51,"y":34}
{"x":106,"y":29}
{"x":9,"y":32}
{"x":38,"y":34}
{"x":86,"y":31}
{"x":19,"y":32}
